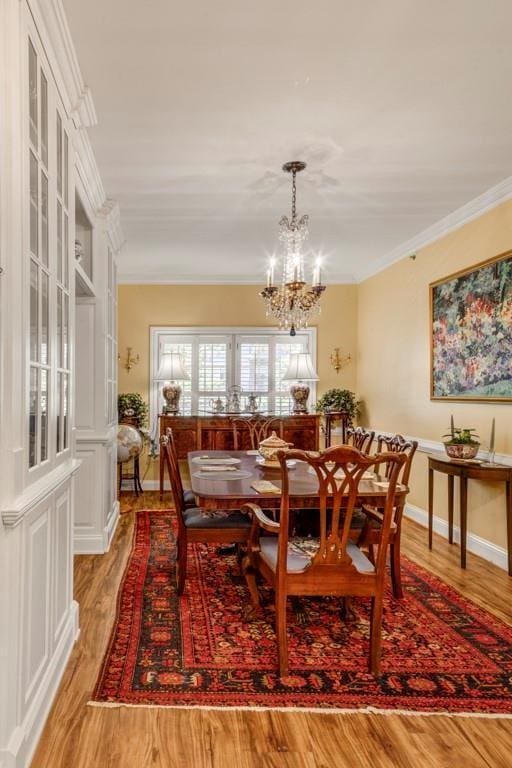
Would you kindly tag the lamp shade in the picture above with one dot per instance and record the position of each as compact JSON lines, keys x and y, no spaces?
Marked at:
{"x":171,"y":368}
{"x":300,"y":368}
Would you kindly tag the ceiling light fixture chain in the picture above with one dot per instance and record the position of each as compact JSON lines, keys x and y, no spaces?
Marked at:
{"x":293,"y":302}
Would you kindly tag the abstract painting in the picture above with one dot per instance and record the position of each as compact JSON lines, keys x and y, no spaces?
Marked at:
{"x":471,"y":328}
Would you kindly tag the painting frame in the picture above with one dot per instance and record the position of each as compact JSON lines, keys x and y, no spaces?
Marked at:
{"x":438,"y":387}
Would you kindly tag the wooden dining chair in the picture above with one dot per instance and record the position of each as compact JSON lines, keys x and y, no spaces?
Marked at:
{"x":188,"y":498}
{"x":254,"y":429}
{"x":331,"y":565}
{"x":196,"y":524}
{"x":360,"y":438}
{"x":372,"y":523}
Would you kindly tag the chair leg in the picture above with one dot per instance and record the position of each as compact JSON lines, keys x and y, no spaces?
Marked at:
{"x":281,"y":632}
{"x":249,"y":575}
{"x":396,"y":575}
{"x":375,"y":635}
{"x":181,"y":565}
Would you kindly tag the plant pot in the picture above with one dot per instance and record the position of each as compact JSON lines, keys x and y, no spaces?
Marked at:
{"x":461,"y":450}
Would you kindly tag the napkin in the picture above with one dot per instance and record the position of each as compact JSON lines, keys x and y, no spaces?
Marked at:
{"x":265,"y":486}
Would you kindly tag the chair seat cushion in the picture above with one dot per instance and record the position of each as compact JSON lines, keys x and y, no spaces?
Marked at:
{"x":194,"y":517}
{"x":298,"y":560}
{"x":189,"y":499}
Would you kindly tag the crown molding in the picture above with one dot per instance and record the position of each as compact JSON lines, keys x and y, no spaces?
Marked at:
{"x":87,"y":169}
{"x":50,"y":20}
{"x":51,"y":23}
{"x":112,"y":216}
{"x":466,"y":213}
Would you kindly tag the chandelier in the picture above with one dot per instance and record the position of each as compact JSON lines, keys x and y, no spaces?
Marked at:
{"x":293,"y":302}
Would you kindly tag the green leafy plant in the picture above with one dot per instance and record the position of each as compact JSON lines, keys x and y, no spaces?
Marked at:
{"x":338,"y":400}
{"x":132,"y":405}
{"x":462,"y":436}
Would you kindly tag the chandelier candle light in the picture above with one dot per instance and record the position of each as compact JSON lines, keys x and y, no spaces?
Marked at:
{"x":300,"y":369}
{"x":171,"y":371}
{"x":293,"y":302}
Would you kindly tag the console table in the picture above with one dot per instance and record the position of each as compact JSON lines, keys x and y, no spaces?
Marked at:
{"x":467,"y":471}
{"x":215,"y":433}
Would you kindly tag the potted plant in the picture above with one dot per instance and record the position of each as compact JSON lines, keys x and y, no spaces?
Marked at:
{"x":463,"y":443}
{"x":132,"y":409}
{"x":339,"y":400}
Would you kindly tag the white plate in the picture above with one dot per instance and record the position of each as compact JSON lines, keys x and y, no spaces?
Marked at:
{"x":218,"y":460}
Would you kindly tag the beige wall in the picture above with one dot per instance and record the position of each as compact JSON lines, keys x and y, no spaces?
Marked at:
{"x":141,"y":306}
{"x":393,"y":362}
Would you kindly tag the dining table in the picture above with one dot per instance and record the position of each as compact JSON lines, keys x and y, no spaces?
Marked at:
{"x":232,"y":488}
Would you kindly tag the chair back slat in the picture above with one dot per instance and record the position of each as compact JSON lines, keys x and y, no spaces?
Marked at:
{"x":339,"y":471}
{"x":360,"y":438}
{"x":255,"y":428}
{"x":399,"y":445}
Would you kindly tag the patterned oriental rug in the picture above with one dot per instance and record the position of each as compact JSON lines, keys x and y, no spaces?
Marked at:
{"x":441,"y":653}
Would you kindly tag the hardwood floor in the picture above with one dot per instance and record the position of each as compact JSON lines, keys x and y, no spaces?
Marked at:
{"x":80,"y":736}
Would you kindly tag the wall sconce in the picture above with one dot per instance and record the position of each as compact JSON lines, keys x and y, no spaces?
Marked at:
{"x":338,"y":361}
{"x":130,"y":359}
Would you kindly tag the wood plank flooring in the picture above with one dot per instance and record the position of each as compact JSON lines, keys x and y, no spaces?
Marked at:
{"x":78,"y":736}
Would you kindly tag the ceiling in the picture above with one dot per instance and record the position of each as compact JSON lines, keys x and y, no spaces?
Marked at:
{"x":401,"y":109}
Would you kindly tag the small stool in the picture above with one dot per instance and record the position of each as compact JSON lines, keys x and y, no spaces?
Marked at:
{"x":135,"y":476}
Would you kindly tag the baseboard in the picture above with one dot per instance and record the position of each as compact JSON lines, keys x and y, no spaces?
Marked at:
{"x":97,"y":543}
{"x":475,"y":544}
{"x":154,"y":485}
{"x":25,"y":738}
{"x":88,"y":544}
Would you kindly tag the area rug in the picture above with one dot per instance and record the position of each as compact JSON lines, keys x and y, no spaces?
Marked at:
{"x":441,"y":653}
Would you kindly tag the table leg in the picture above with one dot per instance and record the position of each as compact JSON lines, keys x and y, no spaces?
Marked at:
{"x":450,"y":508}
{"x":463,"y":519}
{"x":509,"y":525}
{"x":161,"y":472}
{"x":430,"y":505}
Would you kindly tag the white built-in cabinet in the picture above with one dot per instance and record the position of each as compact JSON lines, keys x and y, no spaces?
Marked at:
{"x":96,"y":505}
{"x":57,"y":361}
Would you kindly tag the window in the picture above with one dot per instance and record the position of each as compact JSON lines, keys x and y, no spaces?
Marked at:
{"x":216,"y":358}
{"x":38,"y":242}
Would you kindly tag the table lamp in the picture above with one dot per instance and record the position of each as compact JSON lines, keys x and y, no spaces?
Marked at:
{"x":171,"y":371}
{"x":300,"y":369}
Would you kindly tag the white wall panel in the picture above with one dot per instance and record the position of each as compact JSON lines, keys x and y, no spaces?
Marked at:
{"x":62,"y":564}
{"x":86,"y":491}
{"x":36,"y":614}
{"x":84,"y":365}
